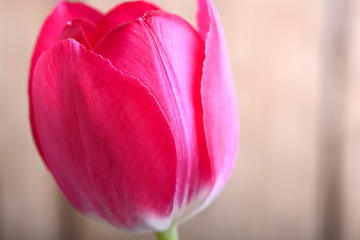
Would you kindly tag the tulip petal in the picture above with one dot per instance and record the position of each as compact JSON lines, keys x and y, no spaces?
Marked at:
{"x":218,"y":97}
{"x":83,"y":31}
{"x":55,"y":23}
{"x":105,"y":138}
{"x":166,"y":54}
{"x":49,"y":34}
{"x":125,"y":12}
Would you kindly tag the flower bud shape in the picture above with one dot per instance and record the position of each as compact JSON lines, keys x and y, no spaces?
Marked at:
{"x":134,"y":111}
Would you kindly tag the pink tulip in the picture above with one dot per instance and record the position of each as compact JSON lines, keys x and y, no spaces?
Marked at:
{"x":134,"y":111}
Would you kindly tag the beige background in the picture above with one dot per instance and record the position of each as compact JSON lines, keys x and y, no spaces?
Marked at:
{"x":296,"y":65}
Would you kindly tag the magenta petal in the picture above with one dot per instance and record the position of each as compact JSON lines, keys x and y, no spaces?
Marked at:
{"x":55,"y":23}
{"x":49,"y":34}
{"x":166,"y":54}
{"x":83,"y":31}
{"x":104,"y":138}
{"x":218,"y":96}
{"x":125,"y":12}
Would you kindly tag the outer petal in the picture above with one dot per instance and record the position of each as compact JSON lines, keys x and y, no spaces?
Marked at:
{"x":125,"y":12}
{"x":105,"y":139}
{"x":218,"y":97}
{"x":50,"y":32}
{"x":166,"y":53}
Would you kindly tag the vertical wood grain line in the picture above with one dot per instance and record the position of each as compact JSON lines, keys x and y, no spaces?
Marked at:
{"x":331,"y":118}
{"x":351,"y":193}
{"x":70,"y":224}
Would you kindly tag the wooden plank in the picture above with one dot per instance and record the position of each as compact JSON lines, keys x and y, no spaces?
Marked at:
{"x":351,"y":153}
{"x":27,"y":205}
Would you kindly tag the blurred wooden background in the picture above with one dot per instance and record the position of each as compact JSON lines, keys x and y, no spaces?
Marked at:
{"x":297,"y":70}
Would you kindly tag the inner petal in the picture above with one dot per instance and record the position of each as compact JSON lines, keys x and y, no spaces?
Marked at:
{"x":83,"y":31}
{"x":89,"y":33}
{"x":125,"y":12}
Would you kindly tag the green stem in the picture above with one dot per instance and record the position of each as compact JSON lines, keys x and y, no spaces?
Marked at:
{"x":170,"y":234}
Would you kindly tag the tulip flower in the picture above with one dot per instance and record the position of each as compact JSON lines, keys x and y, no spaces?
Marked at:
{"x":134,"y":112}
